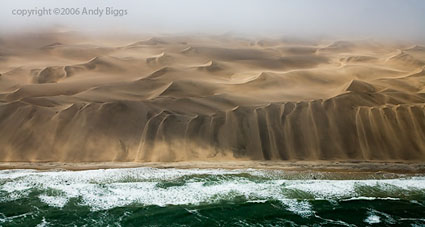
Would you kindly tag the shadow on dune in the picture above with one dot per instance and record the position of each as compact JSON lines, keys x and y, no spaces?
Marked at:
{"x":359,"y":125}
{"x":271,"y":101}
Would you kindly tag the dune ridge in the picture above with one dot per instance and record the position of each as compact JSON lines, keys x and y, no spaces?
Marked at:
{"x":172,"y":98}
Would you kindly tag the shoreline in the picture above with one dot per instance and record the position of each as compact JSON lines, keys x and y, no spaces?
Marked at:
{"x":299,"y":166}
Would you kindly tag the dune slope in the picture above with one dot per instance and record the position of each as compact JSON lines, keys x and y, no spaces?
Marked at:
{"x":211,"y":98}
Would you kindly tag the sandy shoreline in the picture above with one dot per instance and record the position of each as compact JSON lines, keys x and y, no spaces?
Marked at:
{"x":300,"y":166}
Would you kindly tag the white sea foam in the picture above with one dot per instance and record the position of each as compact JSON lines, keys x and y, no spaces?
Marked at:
{"x":105,"y":189}
{"x":54,"y":201}
{"x":373,"y":219}
{"x":302,"y":208}
{"x":43,"y":223}
{"x":2,"y":218}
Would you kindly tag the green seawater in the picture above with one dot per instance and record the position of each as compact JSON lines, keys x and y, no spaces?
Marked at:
{"x":209,"y":197}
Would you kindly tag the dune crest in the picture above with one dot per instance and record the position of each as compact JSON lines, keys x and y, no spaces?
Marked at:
{"x":208,"y":98}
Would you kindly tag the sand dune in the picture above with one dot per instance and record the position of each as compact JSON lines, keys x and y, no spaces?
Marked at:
{"x":65,"y":99}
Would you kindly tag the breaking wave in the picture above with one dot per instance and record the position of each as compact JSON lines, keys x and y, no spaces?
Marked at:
{"x":100,"y":190}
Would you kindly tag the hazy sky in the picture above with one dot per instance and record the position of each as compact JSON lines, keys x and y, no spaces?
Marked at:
{"x":401,"y":19}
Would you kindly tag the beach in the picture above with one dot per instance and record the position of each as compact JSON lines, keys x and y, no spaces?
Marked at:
{"x":343,"y":167}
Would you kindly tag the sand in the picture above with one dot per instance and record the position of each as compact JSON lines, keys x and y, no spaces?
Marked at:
{"x":67,"y":98}
{"x":353,"y":168}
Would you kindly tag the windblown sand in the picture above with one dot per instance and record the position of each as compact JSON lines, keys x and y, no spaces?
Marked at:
{"x":186,"y":98}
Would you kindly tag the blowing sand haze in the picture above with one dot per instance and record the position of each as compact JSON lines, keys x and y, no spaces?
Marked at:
{"x":212,"y":113}
{"x":66,"y":98}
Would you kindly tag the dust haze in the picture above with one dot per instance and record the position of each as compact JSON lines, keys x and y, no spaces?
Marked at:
{"x":391,"y":19}
{"x":174,"y":82}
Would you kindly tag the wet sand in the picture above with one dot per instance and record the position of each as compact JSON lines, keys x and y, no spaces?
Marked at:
{"x":342,"y":167}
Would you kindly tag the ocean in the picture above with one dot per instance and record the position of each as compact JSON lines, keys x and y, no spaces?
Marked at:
{"x":209,"y":197}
